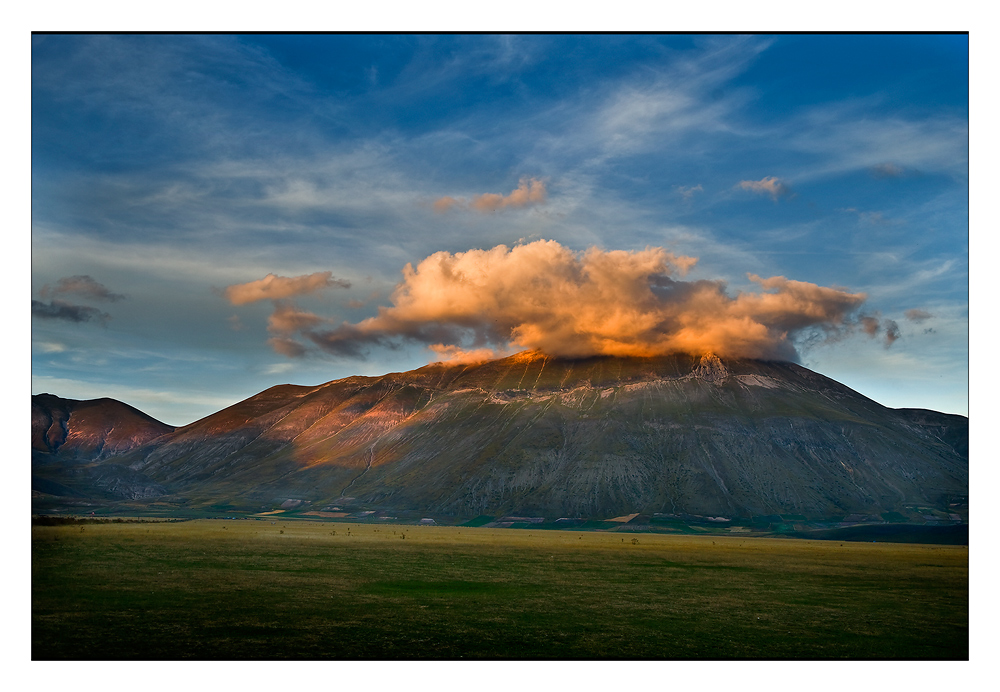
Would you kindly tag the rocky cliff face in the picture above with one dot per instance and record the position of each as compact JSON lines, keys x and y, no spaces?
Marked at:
{"x":594,"y":437}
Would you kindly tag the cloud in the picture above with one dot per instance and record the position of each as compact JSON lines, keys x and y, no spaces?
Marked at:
{"x":50,"y":346}
{"x":891,"y":332}
{"x":869,"y":325}
{"x":454,"y":354}
{"x":59,"y":310}
{"x":846,"y":137}
{"x":765,"y":186}
{"x":445,"y":204}
{"x":886,"y":170}
{"x":873,"y":218}
{"x":545,"y":297}
{"x":287,"y":347}
{"x":349,"y":341}
{"x":917,"y":315}
{"x":688,"y":192}
{"x":872,"y":326}
{"x":82,"y":285}
{"x":277,"y":368}
{"x":273,"y":287}
{"x":287,"y":319}
{"x":529,"y":192}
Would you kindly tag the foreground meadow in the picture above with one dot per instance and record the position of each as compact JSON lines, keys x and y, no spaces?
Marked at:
{"x":215,"y":589}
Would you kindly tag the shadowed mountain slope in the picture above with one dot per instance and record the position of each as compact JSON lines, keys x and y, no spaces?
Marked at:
{"x":595,"y":437}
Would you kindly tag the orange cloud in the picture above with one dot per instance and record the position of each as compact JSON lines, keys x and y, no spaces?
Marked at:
{"x":917,"y":315}
{"x":545,"y":297}
{"x":273,"y":287}
{"x":872,"y":326}
{"x":287,"y":319}
{"x":766,"y":186}
{"x":529,"y":192}
{"x":454,"y":354}
{"x":445,"y":203}
{"x":287,"y":347}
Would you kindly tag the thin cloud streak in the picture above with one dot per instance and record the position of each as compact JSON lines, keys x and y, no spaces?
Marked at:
{"x":529,"y":192}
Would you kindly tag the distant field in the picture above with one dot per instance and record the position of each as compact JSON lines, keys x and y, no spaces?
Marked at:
{"x":214,"y":589}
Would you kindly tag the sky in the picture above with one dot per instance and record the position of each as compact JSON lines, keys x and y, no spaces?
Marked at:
{"x":213,"y":215}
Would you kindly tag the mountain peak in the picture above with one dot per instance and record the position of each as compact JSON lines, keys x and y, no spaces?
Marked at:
{"x":711,"y":368}
{"x":534,"y":435}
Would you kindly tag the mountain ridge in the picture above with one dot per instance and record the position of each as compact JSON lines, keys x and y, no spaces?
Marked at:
{"x":600,"y":436}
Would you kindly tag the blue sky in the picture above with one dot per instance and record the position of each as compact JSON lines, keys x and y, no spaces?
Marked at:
{"x":168,"y":168}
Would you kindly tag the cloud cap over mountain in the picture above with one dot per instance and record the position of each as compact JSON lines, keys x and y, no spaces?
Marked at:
{"x":544,"y":296}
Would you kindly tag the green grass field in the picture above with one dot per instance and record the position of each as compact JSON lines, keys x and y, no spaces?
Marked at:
{"x":213,"y":589}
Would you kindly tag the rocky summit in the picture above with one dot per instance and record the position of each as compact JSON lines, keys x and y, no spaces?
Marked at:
{"x":525,"y":435}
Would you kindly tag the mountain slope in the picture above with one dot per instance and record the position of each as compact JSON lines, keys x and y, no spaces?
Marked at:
{"x":594,"y":437}
{"x":69,"y":439}
{"x":89,"y":429}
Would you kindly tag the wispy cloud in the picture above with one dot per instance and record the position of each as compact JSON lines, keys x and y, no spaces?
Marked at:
{"x":886,"y":170}
{"x":917,"y":315}
{"x":873,"y":218}
{"x":873,"y":326}
{"x":675,"y":100}
{"x":529,"y":192}
{"x":81,"y":285}
{"x":844,"y":138}
{"x":688,"y":192}
{"x":49,"y":346}
{"x":772,"y":186}
{"x":277,"y":368}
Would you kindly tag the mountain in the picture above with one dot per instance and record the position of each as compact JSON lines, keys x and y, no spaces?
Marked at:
{"x":68,"y":436}
{"x":597,"y":437}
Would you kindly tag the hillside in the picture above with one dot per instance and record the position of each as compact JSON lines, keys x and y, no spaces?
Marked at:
{"x":68,"y":436}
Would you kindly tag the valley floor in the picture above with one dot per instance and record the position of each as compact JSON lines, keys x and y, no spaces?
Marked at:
{"x":274,"y":589}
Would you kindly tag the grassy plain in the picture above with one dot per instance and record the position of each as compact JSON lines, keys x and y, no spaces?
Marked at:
{"x":216,"y":589}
